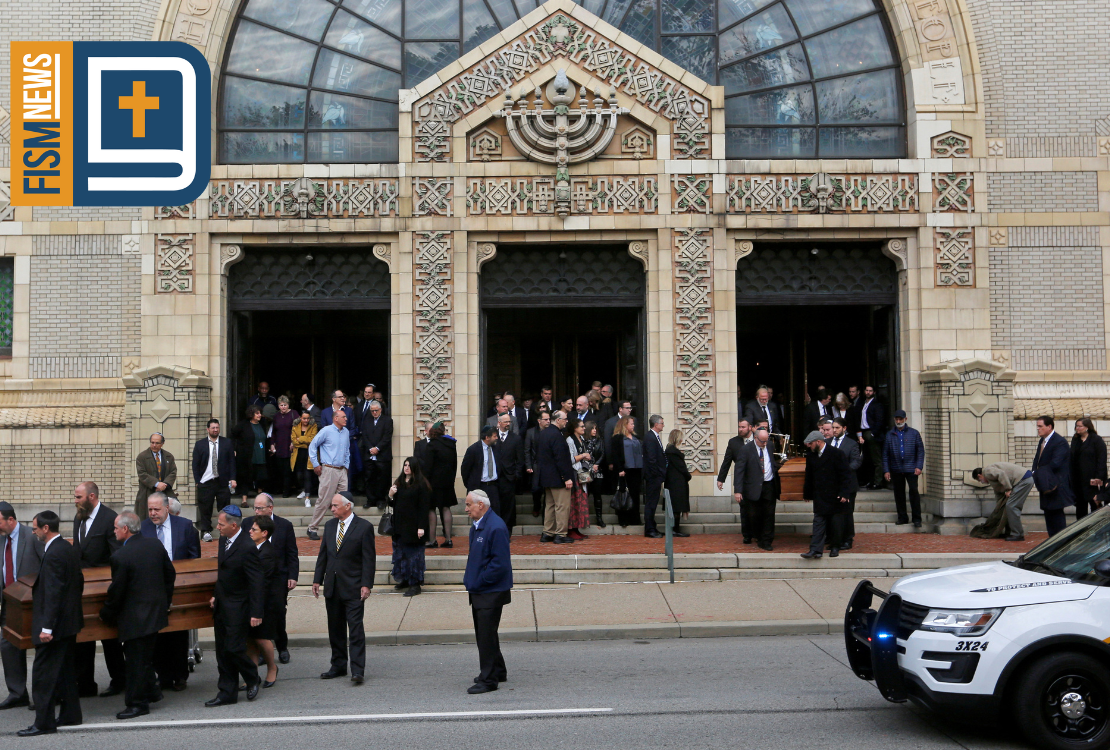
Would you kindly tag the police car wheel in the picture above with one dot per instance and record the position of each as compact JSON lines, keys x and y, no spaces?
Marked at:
{"x":1062,"y":701}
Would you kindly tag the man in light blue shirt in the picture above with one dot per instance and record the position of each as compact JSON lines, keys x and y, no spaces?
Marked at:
{"x":330,"y":453}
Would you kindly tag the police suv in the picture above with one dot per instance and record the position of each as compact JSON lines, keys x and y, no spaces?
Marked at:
{"x":1026,"y":641}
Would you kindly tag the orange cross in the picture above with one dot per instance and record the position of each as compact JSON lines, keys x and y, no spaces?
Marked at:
{"x":138,"y":103}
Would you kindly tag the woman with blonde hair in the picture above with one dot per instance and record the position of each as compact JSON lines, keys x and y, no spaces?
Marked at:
{"x":677,"y":481}
{"x":627,"y":455}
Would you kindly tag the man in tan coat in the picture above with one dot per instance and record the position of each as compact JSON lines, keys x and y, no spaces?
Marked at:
{"x":157,"y":472}
{"x":1011,"y":484}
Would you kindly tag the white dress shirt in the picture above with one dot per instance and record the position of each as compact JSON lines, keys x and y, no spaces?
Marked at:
{"x":50,"y":631}
{"x":344,"y":524}
{"x":213,"y":458}
{"x":231,"y":539}
{"x":768,"y":470}
{"x":863,"y":425}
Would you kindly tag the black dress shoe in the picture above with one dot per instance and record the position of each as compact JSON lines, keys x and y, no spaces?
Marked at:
{"x":547,"y":537}
{"x":480,"y":687}
{"x":252,"y":691}
{"x":413,"y":590}
{"x":846,"y":546}
{"x":811,"y":555}
{"x":653,"y":534}
{"x":432,"y":545}
{"x":156,"y":698}
{"x":447,"y":544}
{"x":132,"y":711}
{"x":13,"y":702}
{"x":357,"y":679}
{"x":900,"y":523}
{"x":180,"y":685}
{"x":766,"y":547}
{"x":599,"y":523}
{"x":218,"y":701}
{"x":312,"y":535}
{"x":366,"y":505}
{"x":499,"y":679}
{"x":283,"y":656}
{"x":33,"y":731}
{"x":271,"y":683}
{"x":835,"y":552}
{"x":563,"y":540}
{"x":917,"y":524}
{"x":747,"y":540}
{"x":1010,"y":538}
{"x":679,"y":534}
{"x":331,"y":674}
{"x":401,"y":586}
{"x":109,"y":691}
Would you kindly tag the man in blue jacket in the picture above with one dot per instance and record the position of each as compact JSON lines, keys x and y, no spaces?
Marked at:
{"x":1052,"y":474}
{"x":488,"y":580}
{"x":903,"y":460}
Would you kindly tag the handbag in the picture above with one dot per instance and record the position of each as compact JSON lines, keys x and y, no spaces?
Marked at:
{"x":385,"y":524}
{"x":584,"y":477}
{"x":622,"y":499}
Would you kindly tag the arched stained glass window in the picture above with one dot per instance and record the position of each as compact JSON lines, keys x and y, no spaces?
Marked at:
{"x":318,"y":80}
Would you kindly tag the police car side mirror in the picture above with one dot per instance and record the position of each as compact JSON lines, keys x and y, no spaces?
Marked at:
{"x":1102,"y":568}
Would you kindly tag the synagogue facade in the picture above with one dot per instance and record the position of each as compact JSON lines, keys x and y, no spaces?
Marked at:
{"x":686,"y":199}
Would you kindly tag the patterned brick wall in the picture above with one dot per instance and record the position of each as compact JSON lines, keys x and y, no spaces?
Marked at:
{"x":1042,"y":191}
{"x":22,"y":481}
{"x":1032,"y":285}
{"x":87,"y":213}
{"x":85,"y":297}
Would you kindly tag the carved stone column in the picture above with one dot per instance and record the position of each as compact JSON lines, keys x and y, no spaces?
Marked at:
{"x":176,"y":402}
{"x":433,"y":327}
{"x":695,"y":403}
{"x":967,"y":408}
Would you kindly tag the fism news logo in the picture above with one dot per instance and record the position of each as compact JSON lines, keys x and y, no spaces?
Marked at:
{"x":109,"y":123}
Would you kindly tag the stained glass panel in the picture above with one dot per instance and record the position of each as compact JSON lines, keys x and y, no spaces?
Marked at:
{"x":254,"y":104}
{"x":696,"y":54}
{"x":640,"y":22}
{"x":792,"y":106}
{"x":262,"y":148}
{"x":7,"y":292}
{"x":770,"y":143}
{"x":731,"y":11}
{"x":858,"y":46}
{"x":306,"y":18}
{"x":871,"y":97}
{"x":332,"y":111}
{"x":385,"y":13}
{"x":687,"y":16}
{"x":266,"y":53}
{"x":478,"y":24}
{"x":346,"y":74}
{"x":354,"y":36}
{"x":423,"y":59}
{"x":366,"y":148}
{"x":814,"y":15}
{"x":432,"y":20}
{"x":779,"y":68}
{"x":862,"y":143}
{"x":769,"y":29}
{"x":503,"y":9}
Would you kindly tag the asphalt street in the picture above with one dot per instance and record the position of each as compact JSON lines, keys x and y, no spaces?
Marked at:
{"x":755,"y":692}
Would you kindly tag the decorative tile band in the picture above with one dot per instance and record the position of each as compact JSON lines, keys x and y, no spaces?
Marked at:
{"x":522,"y":196}
{"x":822,"y":193}
{"x":301,"y":198}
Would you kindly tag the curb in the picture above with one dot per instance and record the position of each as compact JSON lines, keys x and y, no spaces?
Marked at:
{"x":570,"y":633}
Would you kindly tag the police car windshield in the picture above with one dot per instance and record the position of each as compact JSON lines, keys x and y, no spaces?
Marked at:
{"x":1075,"y":550}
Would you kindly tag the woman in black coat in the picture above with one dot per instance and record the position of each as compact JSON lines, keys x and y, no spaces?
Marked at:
{"x":409,"y":498}
{"x":251,"y":448}
{"x":273,"y":584}
{"x":1088,"y":466}
{"x":442,"y":460}
{"x":677,"y":481}
{"x":626,"y":453}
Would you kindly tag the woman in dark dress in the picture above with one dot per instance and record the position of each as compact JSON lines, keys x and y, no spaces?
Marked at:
{"x":409,"y":497}
{"x":262,"y":636}
{"x":627,"y":456}
{"x":596,"y":449}
{"x":249,"y":437}
{"x":442,"y":459}
{"x":1088,"y":467}
{"x":677,"y":481}
{"x":281,"y":448}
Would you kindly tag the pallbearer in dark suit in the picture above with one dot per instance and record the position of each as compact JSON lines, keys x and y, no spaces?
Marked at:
{"x":510,"y":450}
{"x":843,"y":442}
{"x":55,"y":622}
{"x":756,"y":487}
{"x":238,"y":606}
{"x":262,"y":636}
{"x":138,"y":603}
{"x":345,"y":571}
{"x":20,"y":555}
{"x":284,"y":543}
{"x":488,"y":580}
{"x":95,"y":538}
{"x":827,"y":485}
{"x":179,"y":538}
{"x":1052,"y":475}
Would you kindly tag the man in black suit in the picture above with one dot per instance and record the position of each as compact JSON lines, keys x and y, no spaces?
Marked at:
{"x":655,"y":471}
{"x":732,"y":452}
{"x":481,"y":467}
{"x":179,"y":538}
{"x":531,"y":460}
{"x":94,"y":535}
{"x":817,"y":410}
{"x":214,"y":473}
{"x":284,"y":543}
{"x":345,"y":571}
{"x":1051,"y":474}
{"x":764,"y":409}
{"x":20,"y":555}
{"x":547,"y":398}
{"x":582,"y":411}
{"x":756,"y":488}
{"x":56,"y":619}
{"x":509,"y":450}
{"x":827,"y":486}
{"x":843,"y":442}
{"x":138,"y":603}
{"x":872,"y":434}
{"x":376,"y":436}
{"x":519,"y":417}
{"x":556,"y":477}
{"x":238,"y":606}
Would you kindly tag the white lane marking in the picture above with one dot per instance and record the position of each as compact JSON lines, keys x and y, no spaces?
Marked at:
{"x":170,"y":723}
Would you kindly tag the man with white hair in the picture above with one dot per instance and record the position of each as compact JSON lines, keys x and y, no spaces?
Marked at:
{"x":175,"y":506}
{"x":488,"y":580}
{"x":345,"y":571}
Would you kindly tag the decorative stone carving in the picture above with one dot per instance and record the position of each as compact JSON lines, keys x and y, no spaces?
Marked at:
{"x":341,"y":276}
{"x":1104,"y":146}
{"x":955,"y":258}
{"x":743,"y":249}
{"x":882,"y":193}
{"x":692,"y":193}
{"x":484,"y":145}
{"x":638,"y":142}
{"x":433,"y":327}
{"x":693,"y":345}
{"x":522,"y":196}
{"x":7,"y":210}
{"x":638,"y":249}
{"x":951,"y":144}
{"x":431,"y":196}
{"x":897,"y":251}
{"x":996,"y":147}
{"x":300,"y":198}
{"x":188,"y":211}
{"x":953,"y":192}
{"x":229,"y":255}
{"x":174,"y":264}
{"x":561,"y":36}
{"x":485,"y":252}
{"x":999,"y":236}
{"x":131,"y":244}
{"x":383,"y":252}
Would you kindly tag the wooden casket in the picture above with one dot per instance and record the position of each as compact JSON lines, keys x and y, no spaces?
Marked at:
{"x":195,"y":584}
{"x":792,"y":478}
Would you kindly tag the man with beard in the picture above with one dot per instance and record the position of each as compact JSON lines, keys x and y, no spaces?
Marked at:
{"x":732,"y":455}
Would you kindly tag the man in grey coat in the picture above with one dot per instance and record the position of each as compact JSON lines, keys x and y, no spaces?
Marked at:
{"x":20,"y":555}
{"x":1011,"y":483}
